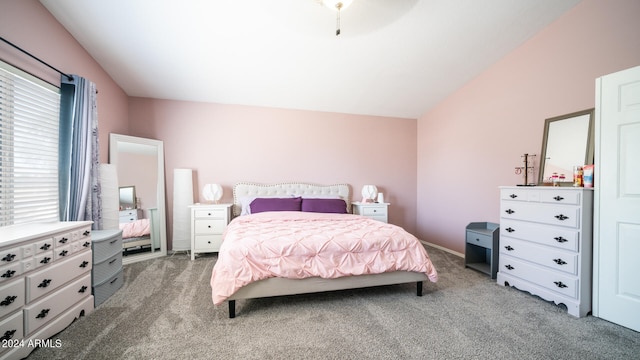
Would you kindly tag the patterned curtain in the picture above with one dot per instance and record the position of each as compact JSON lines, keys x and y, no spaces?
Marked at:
{"x":80,"y":190}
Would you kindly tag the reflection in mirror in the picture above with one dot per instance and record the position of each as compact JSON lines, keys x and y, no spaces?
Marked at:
{"x":140,"y":162}
{"x":567,"y":142}
{"x":127,"y":197}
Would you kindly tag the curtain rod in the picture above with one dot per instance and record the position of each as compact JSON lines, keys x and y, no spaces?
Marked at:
{"x":69,"y":77}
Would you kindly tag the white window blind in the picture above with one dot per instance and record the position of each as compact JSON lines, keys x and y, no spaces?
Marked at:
{"x":29,"y":123}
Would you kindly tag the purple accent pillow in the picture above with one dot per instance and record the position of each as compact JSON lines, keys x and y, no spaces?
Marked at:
{"x":275,"y":204}
{"x":337,"y":206}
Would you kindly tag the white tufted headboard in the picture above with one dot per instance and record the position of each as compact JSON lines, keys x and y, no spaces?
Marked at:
{"x":242,"y":190}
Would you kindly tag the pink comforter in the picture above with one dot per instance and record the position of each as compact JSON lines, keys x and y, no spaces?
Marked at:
{"x":300,"y":245}
{"x":136,"y":228}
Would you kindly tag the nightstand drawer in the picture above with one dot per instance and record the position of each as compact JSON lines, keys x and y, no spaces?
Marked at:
{"x":484,"y":240}
{"x":210,"y":226}
{"x":208,"y":242}
{"x":211,"y":213}
{"x":374,"y":211}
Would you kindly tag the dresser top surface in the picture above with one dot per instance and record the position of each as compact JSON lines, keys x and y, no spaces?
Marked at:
{"x":547,"y":188}
{"x":13,"y":234}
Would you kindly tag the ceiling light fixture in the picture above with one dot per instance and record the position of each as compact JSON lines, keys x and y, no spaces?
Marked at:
{"x":338,"y":6}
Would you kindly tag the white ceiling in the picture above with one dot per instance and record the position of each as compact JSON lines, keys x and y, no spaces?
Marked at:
{"x":394,"y":58}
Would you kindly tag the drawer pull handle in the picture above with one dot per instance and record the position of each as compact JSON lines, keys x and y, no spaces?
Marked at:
{"x":8,"y":335}
{"x":113,"y":241}
{"x":558,"y":198}
{"x":43,"y":313}
{"x":82,"y":289}
{"x":560,"y":284}
{"x":509,"y":267}
{"x":45,"y":260}
{"x":509,"y":248}
{"x":509,"y":211}
{"x":208,"y":214}
{"x":86,"y":244}
{"x":209,"y":226}
{"x":209,"y":242}
{"x":561,"y":217}
{"x":45,"y":246}
{"x":8,"y":274}
{"x":510,"y":230}
{"x":559,"y":261}
{"x":560,"y":239}
{"x":112,"y":261}
{"x":44,"y":283}
{"x":8,"y":300}
{"x":513,"y":196}
{"x":112,"y":281}
{"x":9,"y":257}
{"x":63,"y":253}
{"x":63,"y":240}
{"x":84,"y":264}
{"x":86,"y":233}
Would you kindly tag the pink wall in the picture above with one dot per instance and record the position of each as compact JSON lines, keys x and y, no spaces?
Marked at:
{"x":29,"y":25}
{"x":227,"y":144}
{"x":470,"y":144}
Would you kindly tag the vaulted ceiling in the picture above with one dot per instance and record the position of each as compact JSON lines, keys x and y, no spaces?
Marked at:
{"x":394,"y":58}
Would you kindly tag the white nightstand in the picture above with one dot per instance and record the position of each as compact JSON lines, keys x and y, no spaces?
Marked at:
{"x":376,"y":211}
{"x":208,"y":222}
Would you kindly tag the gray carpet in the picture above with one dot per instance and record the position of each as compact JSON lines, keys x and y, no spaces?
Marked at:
{"x":164,"y":311}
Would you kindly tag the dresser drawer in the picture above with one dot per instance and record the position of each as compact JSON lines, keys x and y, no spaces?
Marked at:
{"x":567,"y":197}
{"x":12,"y":327}
{"x":10,"y":256}
{"x":43,"y":259}
{"x":10,"y":271}
{"x":374,"y":210}
{"x":48,"y":279}
{"x":44,"y":245}
{"x":484,"y":240}
{"x":208,"y":242}
{"x":105,"y":244}
{"x":553,"y":280}
{"x":515,"y":194}
{"x":210,"y":226}
{"x":558,"y":237}
{"x":102,"y":291}
{"x":107,"y":268}
{"x":11,"y":297}
{"x":41,"y":312}
{"x":543,"y":255}
{"x":567,"y":216}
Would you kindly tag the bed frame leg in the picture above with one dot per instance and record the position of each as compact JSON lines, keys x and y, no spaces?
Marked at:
{"x":419,"y":288}
{"x":232,"y":309}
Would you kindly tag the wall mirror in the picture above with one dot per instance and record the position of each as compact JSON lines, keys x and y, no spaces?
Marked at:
{"x":568,"y":141}
{"x":140,"y":166}
{"x":127,"y":197}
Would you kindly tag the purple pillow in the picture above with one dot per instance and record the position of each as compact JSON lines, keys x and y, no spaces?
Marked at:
{"x":275,"y":204}
{"x":338,"y":206}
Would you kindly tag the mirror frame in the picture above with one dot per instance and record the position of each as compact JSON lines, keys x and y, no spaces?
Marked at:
{"x":116,"y":141}
{"x":589,"y":144}
{"x":132,"y":191}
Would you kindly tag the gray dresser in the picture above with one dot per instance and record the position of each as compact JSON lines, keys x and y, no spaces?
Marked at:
{"x":106,"y":275}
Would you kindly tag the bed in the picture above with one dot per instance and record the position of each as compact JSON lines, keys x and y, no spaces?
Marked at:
{"x":140,"y":233}
{"x":273,"y":248}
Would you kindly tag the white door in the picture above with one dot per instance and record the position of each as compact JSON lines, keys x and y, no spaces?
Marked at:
{"x":617,"y":202}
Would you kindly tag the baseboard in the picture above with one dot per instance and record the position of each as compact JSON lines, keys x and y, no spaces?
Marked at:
{"x":443,"y":249}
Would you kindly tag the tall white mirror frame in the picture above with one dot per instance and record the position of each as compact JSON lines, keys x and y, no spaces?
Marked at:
{"x":120,"y":146}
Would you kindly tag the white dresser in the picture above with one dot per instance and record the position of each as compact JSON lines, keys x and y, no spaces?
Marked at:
{"x":45,"y":282}
{"x":376,"y":211}
{"x":130,"y":215}
{"x":208,"y":222}
{"x":546,"y":243}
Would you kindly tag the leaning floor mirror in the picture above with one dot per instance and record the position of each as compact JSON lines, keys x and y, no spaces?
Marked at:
{"x":568,"y":141}
{"x":140,"y":166}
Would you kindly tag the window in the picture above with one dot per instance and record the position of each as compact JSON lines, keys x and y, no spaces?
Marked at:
{"x":29,"y":118}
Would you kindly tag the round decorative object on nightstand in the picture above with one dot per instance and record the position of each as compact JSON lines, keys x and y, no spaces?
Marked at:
{"x":212,"y":192}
